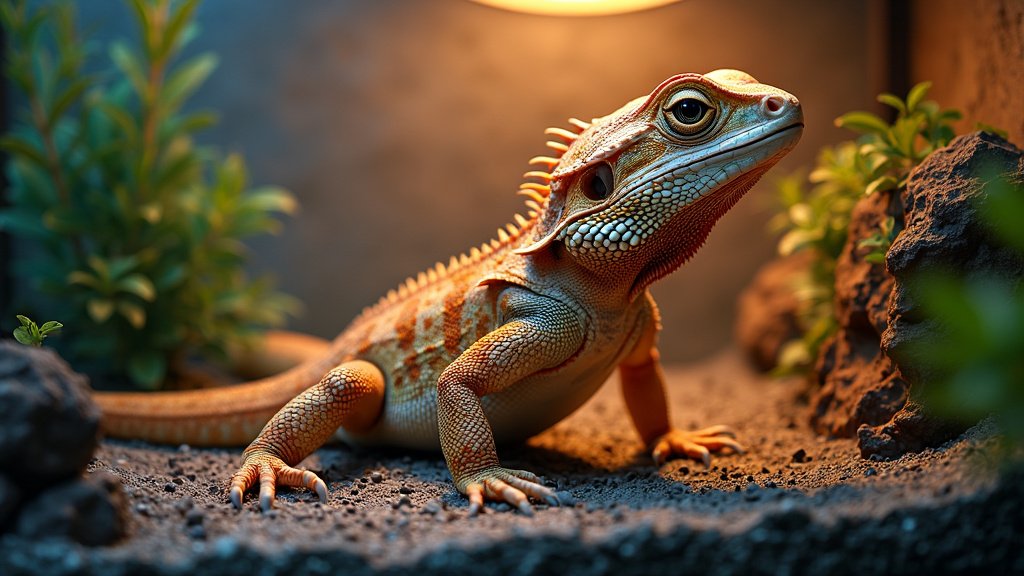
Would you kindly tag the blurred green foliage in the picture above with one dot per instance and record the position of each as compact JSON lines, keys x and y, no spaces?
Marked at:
{"x":137,"y":232}
{"x":31,"y":334}
{"x":817,"y":218}
{"x":975,"y":357}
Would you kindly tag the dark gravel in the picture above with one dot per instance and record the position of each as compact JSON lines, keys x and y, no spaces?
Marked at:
{"x":794,"y":503}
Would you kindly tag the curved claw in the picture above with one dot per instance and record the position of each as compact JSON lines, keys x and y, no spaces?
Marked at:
{"x":516,"y":487}
{"x":271,"y":472}
{"x":697,"y":445}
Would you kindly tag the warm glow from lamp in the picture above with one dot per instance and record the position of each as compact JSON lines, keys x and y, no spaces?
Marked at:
{"x":575,"y":7}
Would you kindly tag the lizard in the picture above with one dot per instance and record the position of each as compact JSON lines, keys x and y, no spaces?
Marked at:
{"x":508,"y":339}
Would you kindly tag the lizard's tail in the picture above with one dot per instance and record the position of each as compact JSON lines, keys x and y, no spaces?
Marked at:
{"x":227,"y":416}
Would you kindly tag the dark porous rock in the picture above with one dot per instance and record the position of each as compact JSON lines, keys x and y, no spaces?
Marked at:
{"x":859,"y":384}
{"x":92,"y":511}
{"x":767,"y":315}
{"x":50,"y":424}
{"x":944,"y":232}
{"x":869,"y":379}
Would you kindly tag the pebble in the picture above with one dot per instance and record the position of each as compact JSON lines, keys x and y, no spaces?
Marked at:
{"x":800,"y":456}
{"x":194,"y":517}
{"x":170,"y":487}
{"x":376,"y":477}
{"x":405,"y":490}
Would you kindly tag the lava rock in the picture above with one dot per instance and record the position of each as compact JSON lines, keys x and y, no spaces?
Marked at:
{"x":944,"y":231}
{"x":50,"y":424}
{"x":858,"y":384}
{"x":767,"y":310}
{"x":92,"y":511}
{"x":869,"y":380}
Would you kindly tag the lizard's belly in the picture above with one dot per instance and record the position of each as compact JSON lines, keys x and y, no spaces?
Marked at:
{"x":523,"y":410}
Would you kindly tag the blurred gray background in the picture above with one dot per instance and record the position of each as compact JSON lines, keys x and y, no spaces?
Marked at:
{"x":403,"y":126}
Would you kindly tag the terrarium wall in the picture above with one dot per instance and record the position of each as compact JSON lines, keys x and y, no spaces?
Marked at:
{"x":403,"y":127}
{"x":974,"y":53}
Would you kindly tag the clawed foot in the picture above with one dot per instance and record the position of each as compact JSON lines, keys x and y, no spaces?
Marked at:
{"x":272,"y":472}
{"x":515,"y":487}
{"x":698,"y":444}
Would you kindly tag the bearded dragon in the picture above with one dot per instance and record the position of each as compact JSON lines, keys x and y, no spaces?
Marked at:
{"x":510,"y":338}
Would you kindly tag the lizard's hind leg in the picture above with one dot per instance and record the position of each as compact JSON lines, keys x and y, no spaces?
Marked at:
{"x":349,"y":396}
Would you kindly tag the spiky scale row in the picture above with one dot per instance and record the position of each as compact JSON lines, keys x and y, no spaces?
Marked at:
{"x":536,"y":194}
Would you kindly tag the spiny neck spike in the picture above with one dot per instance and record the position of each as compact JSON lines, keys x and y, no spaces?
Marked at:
{"x":579,"y":124}
{"x":557,"y":146}
{"x":561,"y":133}
{"x":545,"y":176}
{"x":544,"y":160}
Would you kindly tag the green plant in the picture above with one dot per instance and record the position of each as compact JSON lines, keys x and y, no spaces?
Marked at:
{"x":817,"y":219}
{"x":30,"y":334}
{"x":136,"y":231}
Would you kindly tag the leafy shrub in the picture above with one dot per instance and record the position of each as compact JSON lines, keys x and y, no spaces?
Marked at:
{"x":135,"y":231}
{"x":817,"y":218}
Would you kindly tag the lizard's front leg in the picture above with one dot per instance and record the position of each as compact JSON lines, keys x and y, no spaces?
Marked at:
{"x":349,"y":396}
{"x":643,"y":388}
{"x":537,"y":333}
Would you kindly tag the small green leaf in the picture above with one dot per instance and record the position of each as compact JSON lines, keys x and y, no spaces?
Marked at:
{"x":24,"y":320}
{"x":23,"y":336}
{"x":875,"y":258}
{"x":917,"y":94}
{"x":879,"y":184}
{"x":894,"y":102}
{"x":186,"y":79}
{"x":20,"y":146}
{"x":50,"y":328}
{"x":133,"y":313}
{"x":129,"y":65}
{"x":99,"y":309}
{"x":138,"y":285}
{"x":864,"y":122}
{"x":67,"y":98}
{"x":271,"y":199}
{"x":796,"y":239}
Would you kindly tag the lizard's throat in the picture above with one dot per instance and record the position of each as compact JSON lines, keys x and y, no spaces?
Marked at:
{"x":685,"y":234}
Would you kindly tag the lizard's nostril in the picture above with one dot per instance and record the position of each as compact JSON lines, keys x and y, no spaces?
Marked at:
{"x":773,"y":105}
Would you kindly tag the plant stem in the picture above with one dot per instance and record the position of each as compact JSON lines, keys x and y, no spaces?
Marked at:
{"x":53,"y":159}
{"x":150,"y":110}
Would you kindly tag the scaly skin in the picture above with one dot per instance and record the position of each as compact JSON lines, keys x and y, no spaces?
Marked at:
{"x":506,"y":341}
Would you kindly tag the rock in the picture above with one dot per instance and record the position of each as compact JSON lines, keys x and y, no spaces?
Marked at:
{"x":50,"y":424}
{"x":92,"y":511}
{"x":767,"y":310}
{"x":944,"y":231}
{"x":858,"y":384}
{"x":869,"y":380}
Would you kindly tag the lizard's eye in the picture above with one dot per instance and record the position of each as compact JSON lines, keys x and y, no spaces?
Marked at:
{"x":689,"y":112}
{"x":598,"y":182}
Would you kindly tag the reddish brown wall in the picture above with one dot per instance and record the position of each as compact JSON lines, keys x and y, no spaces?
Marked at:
{"x":973,"y":51}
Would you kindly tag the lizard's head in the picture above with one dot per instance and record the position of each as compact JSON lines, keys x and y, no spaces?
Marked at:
{"x":636,"y":193}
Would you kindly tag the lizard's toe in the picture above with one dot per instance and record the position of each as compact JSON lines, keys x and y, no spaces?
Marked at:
{"x":272,"y":472}
{"x":515,"y":487}
{"x":697,"y":445}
